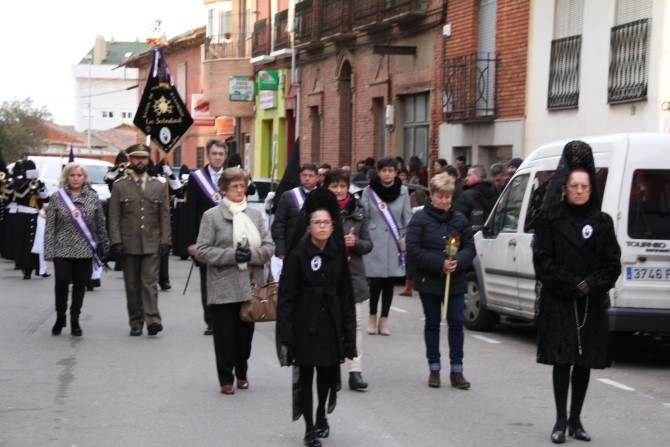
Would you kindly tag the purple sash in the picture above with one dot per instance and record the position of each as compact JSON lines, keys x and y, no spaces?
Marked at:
{"x":390,"y":221}
{"x":81,"y":224}
{"x":298,"y":195}
{"x":207,"y":186}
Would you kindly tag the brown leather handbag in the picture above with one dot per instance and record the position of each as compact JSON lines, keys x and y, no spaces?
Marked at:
{"x":262,"y":306}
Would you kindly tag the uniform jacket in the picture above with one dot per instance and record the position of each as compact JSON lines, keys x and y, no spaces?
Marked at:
{"x":476,"y":201}
{"x":62,"y":238}
{"x":316,"y":316}
{"x":197,"y":202}
{"x":382,"y":261}
{"x":428,"y":230}
{"x":354,"y":216}
{"x":139,"y":219}
{"x":284,"y":222}
{"x":226,"y":283}
{"x":567,"y":251}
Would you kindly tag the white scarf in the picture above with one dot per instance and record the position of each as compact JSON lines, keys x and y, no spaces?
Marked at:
{"x":244,"y":230}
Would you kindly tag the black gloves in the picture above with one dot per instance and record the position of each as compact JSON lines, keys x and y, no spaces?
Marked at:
{"x":583,"y":288}
{"x":117,"y":251}
{"x":242,"y":254}
{"x":285,"y":355}
{"x":163,"y":250}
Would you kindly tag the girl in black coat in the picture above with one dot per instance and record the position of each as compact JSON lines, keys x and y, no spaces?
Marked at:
{"x":577,"y":260}
{"x":316,"y":323}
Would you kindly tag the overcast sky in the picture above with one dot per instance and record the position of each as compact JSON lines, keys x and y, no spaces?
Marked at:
{"x":40,"y":40}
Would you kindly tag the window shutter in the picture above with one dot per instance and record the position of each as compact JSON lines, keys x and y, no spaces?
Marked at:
{"x":631,"y":10}
{"x":568,"y":18}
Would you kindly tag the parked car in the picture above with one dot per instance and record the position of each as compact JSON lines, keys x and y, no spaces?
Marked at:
{"x":633,"y":174}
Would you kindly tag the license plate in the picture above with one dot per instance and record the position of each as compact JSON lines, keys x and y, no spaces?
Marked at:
{"x":648,"y":273}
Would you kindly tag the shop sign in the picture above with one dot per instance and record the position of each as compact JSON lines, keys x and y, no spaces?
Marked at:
{"x":240,"y":88}
{"x":267,"y":99}
{"x":268,"y":80}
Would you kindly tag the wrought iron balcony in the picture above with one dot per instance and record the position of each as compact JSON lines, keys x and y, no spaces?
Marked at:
{"x":260,"y":39}
{"x":228,"y":45}
{"x":629,"y":62}
{"x":365,"y":13}
{"x":335,"y":20}
{"x":469,"y":87}
{"x":303,"y":23}
{"x":399,"y":10}
{"x":280,"y":33}
{"x":564,"y":73}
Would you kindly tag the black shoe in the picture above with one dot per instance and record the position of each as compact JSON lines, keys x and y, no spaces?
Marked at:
{"x":208,"y":331}
{"x":322,"y":427}
{"x":95,"y":282}
{"x":312,"y":439}
{"x":26,"y":276}
{"x":356,"y":382}
{"x":45,"y":275}
{"x":75,"y":329}
{"x":579,"y":433}
{"x":558,"y":434}
{"x":165,"y":286}
{"x":154,"y":328}
{"x":135,"y":331}
{"x":58,"y":326}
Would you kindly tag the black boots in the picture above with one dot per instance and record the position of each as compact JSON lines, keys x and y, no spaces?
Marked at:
{"x":59,"y":325}
{"x":322,"y":427}
{"x":75,"y":329}
{"x":356,"y":382}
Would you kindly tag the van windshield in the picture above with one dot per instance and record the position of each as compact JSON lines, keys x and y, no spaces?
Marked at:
{"x":96,"y":174}
{"x":649,"y":211}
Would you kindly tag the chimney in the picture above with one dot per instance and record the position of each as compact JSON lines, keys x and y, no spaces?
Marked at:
{"x":100,"y":50}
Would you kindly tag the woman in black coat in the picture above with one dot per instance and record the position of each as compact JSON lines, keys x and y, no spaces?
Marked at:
{"x":316,"y":321}
{"x":577,"y":261}
{"x":427,"y":232}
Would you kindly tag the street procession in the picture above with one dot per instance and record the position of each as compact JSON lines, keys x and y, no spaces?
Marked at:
{"x":332,"y":195}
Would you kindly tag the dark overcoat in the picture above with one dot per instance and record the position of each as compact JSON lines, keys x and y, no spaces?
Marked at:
{"x":354,"y":216}
{"x":426,"y":235}
{"x":284,"y":223}
{"x":316,"y":315}
{"x":566,"y":251}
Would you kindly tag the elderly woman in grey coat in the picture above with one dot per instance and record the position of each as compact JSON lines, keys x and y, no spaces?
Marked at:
{"x":235,"y":243}
{"x":357,"y":243}
{"x":386,"y":201}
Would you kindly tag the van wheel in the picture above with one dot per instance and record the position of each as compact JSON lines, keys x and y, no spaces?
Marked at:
{"x":477,"y":317}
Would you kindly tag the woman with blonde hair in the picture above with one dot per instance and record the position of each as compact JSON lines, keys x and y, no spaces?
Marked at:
{"x":75,"y":239}
{"x":235,"y":244}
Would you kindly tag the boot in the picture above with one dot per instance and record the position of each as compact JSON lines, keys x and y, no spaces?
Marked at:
{"x":59,"y":325}
{"x":384,"y":326}
{"x":458,"y":381}
{"x":408,"y":288}
{"x":434,"y":379}
{"x":372,"y":325}
{"x":75,"y":329}
{"x":356,"y":381}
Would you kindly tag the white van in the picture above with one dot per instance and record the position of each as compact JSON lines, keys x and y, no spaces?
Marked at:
{"x":49,"y":171}
{"x":633,"y":172}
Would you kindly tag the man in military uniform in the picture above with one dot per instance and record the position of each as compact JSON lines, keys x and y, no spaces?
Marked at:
{"x":139,"y":229}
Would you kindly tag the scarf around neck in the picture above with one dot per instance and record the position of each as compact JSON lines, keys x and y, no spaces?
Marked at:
{"x":245,"y":232}
{"x":386,"y":193}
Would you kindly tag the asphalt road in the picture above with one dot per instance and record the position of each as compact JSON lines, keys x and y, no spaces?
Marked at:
{"x":109,"y":389}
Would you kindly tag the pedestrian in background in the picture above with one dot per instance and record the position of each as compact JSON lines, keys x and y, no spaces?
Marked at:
{"x":316,"y":322}
{"x":577,"y":261}
{"x":386,"y":200}
{"x":416,"y":200}
{"x":179,"y":247}
{"x":357,"y":243}
{"x":428,"y":230}
{"x":139,"y":233}
{"x":75,"y":240}
{"x":234,"y":244}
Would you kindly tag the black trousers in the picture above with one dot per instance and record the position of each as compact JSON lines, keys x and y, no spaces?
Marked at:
{"x":71,"y":271}
{"x":206,"y":311}
{"x":163,"y":271}
{"x":232,"y":342}
{"x":383,"y":286}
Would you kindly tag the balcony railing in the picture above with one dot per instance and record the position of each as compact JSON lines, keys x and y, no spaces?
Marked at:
{"x":334,"y":17}
{"x":281,"y":35}
{"x":259,"y":45}
{"x":303,"y":22}
{"x":629,"y":63}
{"x":399,"y":8}
{"x":469,"y":88}
{"x":228,"y":45}
{"x":365,"y":12}
{"x":564,"y":73}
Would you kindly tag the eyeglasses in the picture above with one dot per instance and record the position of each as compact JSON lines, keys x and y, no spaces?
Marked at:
{"x":321,"y":223}
{"x":237,"y":186}
{"x":579,"y":187}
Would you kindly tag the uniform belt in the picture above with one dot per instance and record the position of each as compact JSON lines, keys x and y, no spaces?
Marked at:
{"x":26,"y":209}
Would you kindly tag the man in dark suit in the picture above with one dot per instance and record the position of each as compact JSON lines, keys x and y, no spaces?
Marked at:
{"x":202,"y":193}
{"x":289,"y":207}
{"x":139,"y":228}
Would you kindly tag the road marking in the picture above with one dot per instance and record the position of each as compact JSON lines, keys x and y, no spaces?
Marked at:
{"x":397,"y":309}
{"x":616,"y":384}
{"x":486,"y":339}
{"x":666,"y":405}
